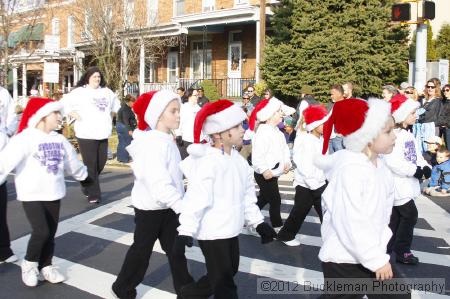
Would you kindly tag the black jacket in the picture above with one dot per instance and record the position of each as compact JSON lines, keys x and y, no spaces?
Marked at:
{"x":444,"y":115}
{"x":126,"y":116}
{"x":432,"y":111}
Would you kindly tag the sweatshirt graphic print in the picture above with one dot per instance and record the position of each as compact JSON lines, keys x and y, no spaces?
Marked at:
{"x":50,"y":155}
{"x":410,"y":152}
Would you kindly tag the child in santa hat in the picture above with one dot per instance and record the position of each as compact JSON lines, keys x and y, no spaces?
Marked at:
{"x":358,"y":200}
{"x":220,"y":196}
{"x":409,"y":166}
{"x":270,"y":154}
{"x":310,"y":181}
{"x":157,"y":191}
{"x":40,"y":157}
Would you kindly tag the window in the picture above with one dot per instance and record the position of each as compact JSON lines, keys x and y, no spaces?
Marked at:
{"x":55,"y":26}
{"x":235,"y":36}
{"x":129,"y":13}
{"x":172,"y":67}
{"x":86,"y":34}
{"x":152,"y":12}
{"x":70,"y":31}
{"x":208,"y":5}
{"x":178,"y":7}
{"x":201,"y":60}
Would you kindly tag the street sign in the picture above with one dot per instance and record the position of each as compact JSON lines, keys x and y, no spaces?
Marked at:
{"x":51,"y":72}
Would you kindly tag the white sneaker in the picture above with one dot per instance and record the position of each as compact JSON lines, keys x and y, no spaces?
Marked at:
{"x":13,"y":258}
{"x":51,"y":274}
{"x":293,"y":242}
{"x":30,"y":273}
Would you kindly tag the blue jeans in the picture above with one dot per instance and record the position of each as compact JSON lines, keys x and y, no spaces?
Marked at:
{"x":124,"y":141}
{"x":335,"y":144}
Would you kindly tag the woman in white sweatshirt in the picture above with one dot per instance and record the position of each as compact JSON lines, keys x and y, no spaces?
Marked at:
{"x":270,"y":155}
{"x":220,"y":197}
{"x":409,"y":166}
{"x":358,"y":200}
{"x":92,"y":104}
{"x":157,"y":192}
{"x":40,"y":157}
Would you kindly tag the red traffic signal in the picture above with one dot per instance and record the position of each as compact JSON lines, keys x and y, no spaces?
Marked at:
{"x":429,"y":10}
{"x":401,"y":12}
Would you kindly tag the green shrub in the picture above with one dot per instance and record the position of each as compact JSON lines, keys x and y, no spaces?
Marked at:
{"x":210,"y":90}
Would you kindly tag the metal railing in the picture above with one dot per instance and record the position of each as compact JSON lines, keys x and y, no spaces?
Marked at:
{"x":227,"y":87}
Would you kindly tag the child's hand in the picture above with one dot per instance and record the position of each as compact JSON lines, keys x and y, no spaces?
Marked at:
{"x":384,"y":272}
{"x":75,"y":115}
{"x":286,"y":168}
{"x":267,"y":174}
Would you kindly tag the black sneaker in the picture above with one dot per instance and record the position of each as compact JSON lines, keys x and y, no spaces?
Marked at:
{"x":93,"y":200}
{"x":407,"y":259}
{"x":198,"y":289}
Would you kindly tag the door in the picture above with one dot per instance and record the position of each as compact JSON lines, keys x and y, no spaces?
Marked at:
{"x":234,"y":69}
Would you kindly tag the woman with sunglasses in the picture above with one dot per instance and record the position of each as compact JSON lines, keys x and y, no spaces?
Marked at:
{"x":432,"y":106}
{"x":444,"y":116}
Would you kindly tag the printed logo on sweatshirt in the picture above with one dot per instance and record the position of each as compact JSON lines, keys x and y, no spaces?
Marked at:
{"x":101,"y":103}
{"x":410,"y":152}
{"x":50,"y":155}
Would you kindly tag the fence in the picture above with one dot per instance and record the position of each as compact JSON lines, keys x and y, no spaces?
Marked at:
{"x":227,"y":87}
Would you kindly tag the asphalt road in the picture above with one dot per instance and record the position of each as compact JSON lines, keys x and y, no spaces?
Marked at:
{"x":92,"y":241}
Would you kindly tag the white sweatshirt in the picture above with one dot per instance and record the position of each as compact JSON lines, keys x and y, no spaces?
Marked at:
{"x":357,"y":205}
{"x":187,"y":118}
{"x":269,"y":147}
{"x":403,"y":162}
{"x":94,"y":106}
{"x":40,"y":160}
{"x":158,"y":182}
{"x":8,"y":117}
{"x":306,"y":147}
{"x":220,"y":196}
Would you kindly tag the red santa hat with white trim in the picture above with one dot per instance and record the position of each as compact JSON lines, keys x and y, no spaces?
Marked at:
{"x":265,"y":109}
{"x":359,"y":121}
{"x":216,"y":117}
{"x":150,"y":105}
{"x":402,"y":107}
{"x":314,"y":116}
{"x":37,"y":109}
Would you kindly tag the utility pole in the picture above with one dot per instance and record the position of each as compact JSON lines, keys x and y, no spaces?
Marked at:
{"x":262,"y":32}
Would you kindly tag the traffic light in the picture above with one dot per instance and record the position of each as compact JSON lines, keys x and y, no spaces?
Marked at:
{"x":401,"y":12}
{"x":429,"y":10}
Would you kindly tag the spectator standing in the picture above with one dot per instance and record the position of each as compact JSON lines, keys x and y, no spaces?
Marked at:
{"x":428,"y":119}
{"x":348,"y":90}
{"x":92,"y":105}
{"x":247,"y":105}
{"x":336,"y":140}
{"x":388,"y":92}
{"x":202,"y":99}
{"x":182,"y":93}
{"x":254,"y":99}
{"x":125,"y":125}
{"x":444,"y":116}
{"x":307,"y":98}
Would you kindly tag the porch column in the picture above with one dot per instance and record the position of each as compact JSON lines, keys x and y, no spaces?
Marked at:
{"x":124,"y":60}
{"x":15,"y":84}
{"x":24,"y":80}
{"x":258,"y":56}
{"x":75,"y":71}
{"x":142,"y":68}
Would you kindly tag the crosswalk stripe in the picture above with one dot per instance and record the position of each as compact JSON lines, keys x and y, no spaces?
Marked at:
{"x":436,"y":216}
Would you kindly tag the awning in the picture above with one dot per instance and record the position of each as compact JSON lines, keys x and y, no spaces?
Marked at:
{"x":26,"y":33}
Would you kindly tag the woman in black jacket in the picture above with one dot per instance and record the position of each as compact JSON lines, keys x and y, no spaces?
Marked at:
{"x":444,"y":116}
{"x":125,"y":125}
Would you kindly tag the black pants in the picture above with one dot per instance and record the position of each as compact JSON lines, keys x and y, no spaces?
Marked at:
{"x":403,"y":220}
{"x":5,"y":244}
{"x":43,"y":217}
{"x":351,"y":271}
{"x":304,"y":200}
{"x":150,"y":226}
{"x":94,"y":154}
{"x":269,"y":194}
{"x":183,"y":149}
{"x":222,"y":263}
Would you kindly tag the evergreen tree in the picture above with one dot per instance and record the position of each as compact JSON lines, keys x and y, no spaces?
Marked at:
{"x":323,"y":42}
{"x":443,"y":42}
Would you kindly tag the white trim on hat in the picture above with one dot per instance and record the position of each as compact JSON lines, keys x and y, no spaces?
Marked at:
{"x":157,"y":104}
{"x":317,"y":123}
{"x":43,"y":112}
{"x":376,"y":118}
{"x":272,"y":106}
{"x":224,"y":120}
{"x":406,"y":108}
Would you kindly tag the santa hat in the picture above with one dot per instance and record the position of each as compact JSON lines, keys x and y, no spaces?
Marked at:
{"x":37,"y":109}
{"x":314,"y":116}
{"x":358,"y":121}
{"x":140,"y":106}
{"x":402,"y":107}
{"x":216,"y":117}
{"x":265,"y":109}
